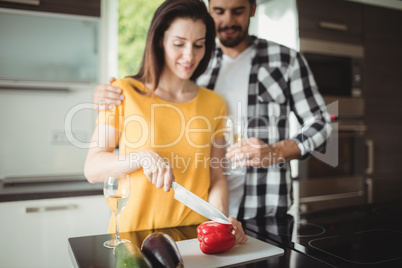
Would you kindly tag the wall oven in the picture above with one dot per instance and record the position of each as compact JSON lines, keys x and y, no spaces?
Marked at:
{"x":337,"y":67}
{"x":323,"y":185}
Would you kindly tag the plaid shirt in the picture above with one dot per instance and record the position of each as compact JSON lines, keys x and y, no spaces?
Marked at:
{"x":280,"y":82}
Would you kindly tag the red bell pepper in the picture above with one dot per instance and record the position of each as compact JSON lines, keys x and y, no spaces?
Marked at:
{"x":215,"y":237}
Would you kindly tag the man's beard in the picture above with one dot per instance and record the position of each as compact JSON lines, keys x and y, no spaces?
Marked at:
{"x":232,"y":42}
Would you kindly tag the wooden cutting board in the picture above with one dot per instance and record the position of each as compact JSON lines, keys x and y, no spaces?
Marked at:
{"x":253,"y":250}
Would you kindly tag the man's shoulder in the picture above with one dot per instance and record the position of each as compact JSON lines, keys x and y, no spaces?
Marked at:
{"x":264,"y":43}
{"x":273,"y":53}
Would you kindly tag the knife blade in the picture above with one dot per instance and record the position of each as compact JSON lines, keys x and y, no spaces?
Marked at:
{"x":198,"y":204}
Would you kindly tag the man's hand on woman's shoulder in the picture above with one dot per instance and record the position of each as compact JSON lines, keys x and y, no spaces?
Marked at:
{"x":105,"y":95}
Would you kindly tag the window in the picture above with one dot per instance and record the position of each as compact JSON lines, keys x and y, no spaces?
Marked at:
{"x":134,"y":18}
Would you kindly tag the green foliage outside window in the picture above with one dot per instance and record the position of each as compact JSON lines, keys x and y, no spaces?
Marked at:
{"x":134,"y":19}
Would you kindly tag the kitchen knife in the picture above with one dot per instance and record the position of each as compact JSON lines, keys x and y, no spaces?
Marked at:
{"x":198,"y":204}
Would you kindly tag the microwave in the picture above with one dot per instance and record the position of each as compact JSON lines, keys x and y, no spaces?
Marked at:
{"x":337,"y":67}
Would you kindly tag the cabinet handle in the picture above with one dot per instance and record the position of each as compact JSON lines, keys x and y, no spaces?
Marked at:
{"x":319,"y":198}
{"x":369,"y":183}
{"x":25,"y":2}
{"x":333,"y":26}
{"x":95,"y":40}
{"x":370,"y":157}
{"x":51,"y":208}
{"x":35,"y":88}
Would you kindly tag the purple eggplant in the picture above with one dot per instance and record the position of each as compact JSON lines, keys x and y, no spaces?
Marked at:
{"x":162,"y":251}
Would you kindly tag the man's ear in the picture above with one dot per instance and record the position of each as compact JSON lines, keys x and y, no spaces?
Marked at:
{"x":253,"y":8}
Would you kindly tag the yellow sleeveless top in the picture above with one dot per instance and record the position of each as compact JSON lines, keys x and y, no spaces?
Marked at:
{"x":179,"y":132}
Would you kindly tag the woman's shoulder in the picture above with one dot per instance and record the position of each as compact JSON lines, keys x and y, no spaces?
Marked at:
{"x":129,"y":83}
{"x":210,"y":95}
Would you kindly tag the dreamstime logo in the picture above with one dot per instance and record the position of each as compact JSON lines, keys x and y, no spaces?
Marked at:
{"x":187,"y":131}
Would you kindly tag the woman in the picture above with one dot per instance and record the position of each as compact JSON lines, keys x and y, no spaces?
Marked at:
{"x":167,"y":128}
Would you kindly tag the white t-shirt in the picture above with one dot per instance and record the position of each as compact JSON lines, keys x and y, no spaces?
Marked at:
{"x":232,"y":85}
{"x":232,"y":82}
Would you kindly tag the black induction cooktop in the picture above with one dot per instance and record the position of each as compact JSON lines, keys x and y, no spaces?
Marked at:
{"x":361,"y":236}
{"x":365,"y":247}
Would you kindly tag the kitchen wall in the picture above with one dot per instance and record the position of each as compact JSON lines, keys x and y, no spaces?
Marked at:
{"x":276,"y":20}
{"x":32,"y":136}
{"x":33,"y":139}
{"x":37,"y":98}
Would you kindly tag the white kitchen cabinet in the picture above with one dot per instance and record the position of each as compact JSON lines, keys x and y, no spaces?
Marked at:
{"x":34,"y":233}
{"x":76,"y":7}
{"x":55,"y":49}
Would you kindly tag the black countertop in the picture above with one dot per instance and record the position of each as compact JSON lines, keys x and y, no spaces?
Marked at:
{"x":89,"y":251}
{"x":48,"y":189}
{"x":358,"y":236}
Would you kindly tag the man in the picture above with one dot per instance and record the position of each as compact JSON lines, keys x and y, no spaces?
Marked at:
{"x":264,"y":82}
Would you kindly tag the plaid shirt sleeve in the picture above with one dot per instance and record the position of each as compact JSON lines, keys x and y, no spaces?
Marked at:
{"x":309,"y":108}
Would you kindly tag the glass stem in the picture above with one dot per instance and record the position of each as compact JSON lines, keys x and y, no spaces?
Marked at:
{"x":117,"y":235}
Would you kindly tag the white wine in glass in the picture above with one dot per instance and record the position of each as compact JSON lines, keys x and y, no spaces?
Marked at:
{"x":233,"y":135}
{"x":117,"y":191}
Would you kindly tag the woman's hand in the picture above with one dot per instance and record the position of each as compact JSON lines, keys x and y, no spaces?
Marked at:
{"x":241,"y":237}
{"x":156,"y":168}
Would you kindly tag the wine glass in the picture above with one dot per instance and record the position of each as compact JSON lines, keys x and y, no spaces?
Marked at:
{"x":234,"y":134}
{"x":116,"y":190}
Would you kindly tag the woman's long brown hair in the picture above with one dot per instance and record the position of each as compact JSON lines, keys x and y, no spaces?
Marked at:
{"x":153,"y":59}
